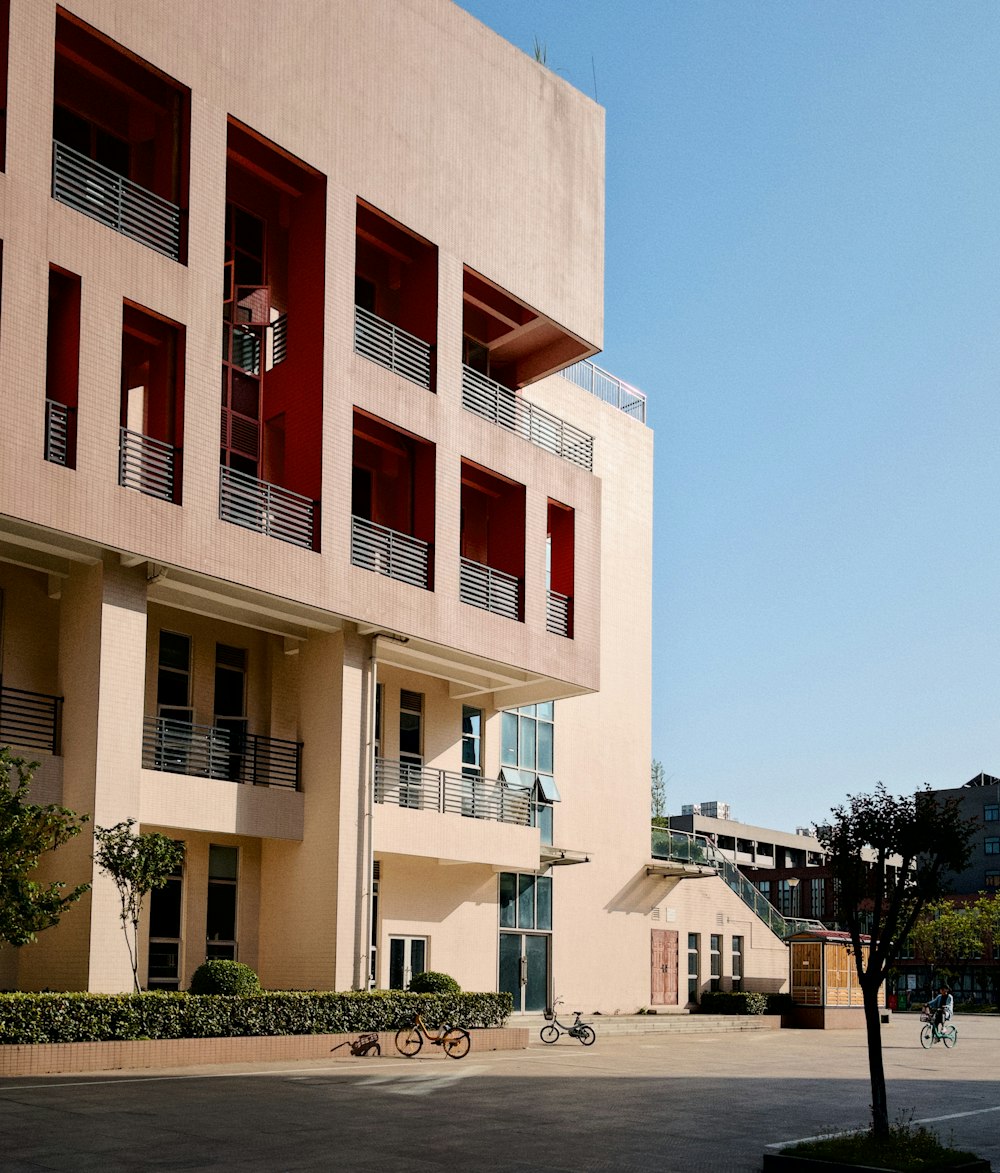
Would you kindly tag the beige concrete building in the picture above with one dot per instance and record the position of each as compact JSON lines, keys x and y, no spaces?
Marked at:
{"x":369,"y":630}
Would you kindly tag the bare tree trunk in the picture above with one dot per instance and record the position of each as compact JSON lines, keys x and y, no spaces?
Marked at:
{"x":873,"y":1025}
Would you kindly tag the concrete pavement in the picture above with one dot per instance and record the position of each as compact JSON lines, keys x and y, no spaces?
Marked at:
{"x":665,"y":1102}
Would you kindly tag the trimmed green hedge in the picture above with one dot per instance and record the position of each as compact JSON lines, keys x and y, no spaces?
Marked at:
{"x":744,"y":1002}
{"x":77,"y":1018}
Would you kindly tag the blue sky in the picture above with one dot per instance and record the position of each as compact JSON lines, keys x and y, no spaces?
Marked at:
{"x":802,"y":274}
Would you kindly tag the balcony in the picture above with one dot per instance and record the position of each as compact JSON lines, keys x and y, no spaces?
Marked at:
{"x":423,"y":788}
{"x":392,"y":347}
{"x":117,"y":202}
{"x":269,"y":509}
{"x":146,"y":464}
{"x":389,"y":552}
{"x":558,"y":614}
{"x":208,"y":751}
{"x":489,"y":589}
{"x":608,"y":388}
{"x":29,"y":720}
{"x":507,"y":409}
{"x":60,"y":430}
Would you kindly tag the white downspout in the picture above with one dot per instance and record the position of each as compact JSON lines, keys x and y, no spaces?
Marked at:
{"x":363,"y":978}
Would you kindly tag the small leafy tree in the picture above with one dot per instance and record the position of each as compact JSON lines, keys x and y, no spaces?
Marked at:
{"x":947,"y":935}
{"x":892,"y":856}
{"x":137,"y":863}
{"x":27,"y":832}
{"x":657,"y":789}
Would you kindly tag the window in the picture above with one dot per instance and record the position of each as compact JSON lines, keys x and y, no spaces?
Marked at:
{"x":784,"y":898}
{"x":993,"y":881}
{"x":163,"y":959}
{"x":223,"y":867}
{"x":411,"y":746}
{"x":525,"y":901}
{"x":992,"y":845}
{"x":527,"y":736}
{"x":693,"y":950}
{"x":715,"y":960}
{"x":173,"y":678}
{"x":816,"y":898}
{"x":764,"y":888}
{"x":407,"y":958}
{"x":737,"y":963}
{"x":62,"y":370}
{"x":473,"y":793}
{"x":991,"y":813}
{"x":230,"y":707}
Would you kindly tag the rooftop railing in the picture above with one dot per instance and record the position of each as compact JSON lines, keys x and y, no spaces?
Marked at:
{"x":146,"y":464}
{"x":507,"y":409}
{"x":489,"y":589}
{"x":423,"y":788}
{"x":208,"y":751}
{"x":111,"y":199}
{"x":29,"y":719}
{"x":389,"y":552}
{"x":269,"y":509}
{"x":392,"y":347}
{"x":608,"y":388}
{"x":60,"y":423}
{"x":558,"y":613}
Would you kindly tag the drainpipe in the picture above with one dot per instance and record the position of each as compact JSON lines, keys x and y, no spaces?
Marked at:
{"x":366,"y":888}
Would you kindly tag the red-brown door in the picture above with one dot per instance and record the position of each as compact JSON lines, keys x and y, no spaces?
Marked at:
{"x":663,"y":968}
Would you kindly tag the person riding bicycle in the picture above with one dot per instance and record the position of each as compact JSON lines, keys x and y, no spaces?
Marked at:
{"x":943,"y":1006}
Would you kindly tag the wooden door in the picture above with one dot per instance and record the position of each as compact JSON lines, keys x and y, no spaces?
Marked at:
{"x":663,"y":968}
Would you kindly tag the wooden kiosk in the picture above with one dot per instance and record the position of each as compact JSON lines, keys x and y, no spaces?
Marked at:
{"x":824,"y":981}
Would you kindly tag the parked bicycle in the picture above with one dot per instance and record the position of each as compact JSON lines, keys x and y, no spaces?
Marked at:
{"x":454,"y":1041}
{"x":931,"y":1033}
{"x":553,"y":1028}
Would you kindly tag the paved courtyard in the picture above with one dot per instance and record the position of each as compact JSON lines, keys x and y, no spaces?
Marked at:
{"x":692,"y":1103}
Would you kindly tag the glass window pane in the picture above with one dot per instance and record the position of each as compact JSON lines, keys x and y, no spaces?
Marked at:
{"x":546,"y":711}
{"x":175,"y":650}
{"x":510,"y":966}
{"x":418,"y":956}
{"x":409,"y":733}
{"x":543,"y":818}
{"x":508,"y":739}
{"x":221,"y":919}
{"x":165,"y":910}
{"x":396,"y":948}
{"x":536,"y":991}
{"x":526,"y":749}
{"x":543,"y":902}
{"x":171,"y":689}
{"x":222,"y":862}
{"x":508,"y":900}
{"x":545,"y":748}
{"x":526,"y":902}
{"x":471,"y":719}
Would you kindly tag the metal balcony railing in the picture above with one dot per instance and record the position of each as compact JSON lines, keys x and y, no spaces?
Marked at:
{"x":59,"y":427}
{"x":146,"y":464}
{"x":683,"y":847}
{"x":507,"y":409}
{"x":117,"y":202}
{"x":269,"y":509}
{"x":279,"y":340}
{"x":392,"y":347}
{"x":489,"y":589}
{"x":389,"y":552}
{"x":423,"y":788}
{"x":208,"y":751}
{"x":608,"y":388}
{"x":558,"y":613}
{"x":29,"y":719}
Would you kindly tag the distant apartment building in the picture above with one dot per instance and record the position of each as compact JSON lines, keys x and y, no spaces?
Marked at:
{"x":324,"y":548}
{"x":978,"y":801}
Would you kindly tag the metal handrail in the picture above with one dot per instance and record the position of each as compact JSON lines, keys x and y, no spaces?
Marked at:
{"x":608,"y":388}
{"x":269,"y":509}
{"x":392,"y":347}
{"x":210,"y":751}
{"x":558,"y":613}
{"x":389,"y":552}
{"x":102,"y":194}
{"x":685,"y":847}
{"x":146,"y":464}
{"x":59,"y":421}
{"x":29,"y":719}
{"x":489,"y":589}
{"x":419,"y":787}
{"x":507,"y":409}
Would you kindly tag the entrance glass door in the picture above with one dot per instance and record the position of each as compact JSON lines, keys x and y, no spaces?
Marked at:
{"x":524,"y":970}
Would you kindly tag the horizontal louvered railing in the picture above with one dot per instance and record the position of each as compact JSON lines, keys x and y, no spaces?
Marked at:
{"x":146,"y":464}
{"x":269,"y":509}
{"x":110,"y":198}
{"x":392,"y":347}
{"x":424,"y":788}
{"x":558,"y":613}
{"x":507,"y":409}
{"x":491,"y":590}
{"x":58,"y":432}
{"x":29,"y":719}
{"x":389,"y":552}
{"x":208,"y":751}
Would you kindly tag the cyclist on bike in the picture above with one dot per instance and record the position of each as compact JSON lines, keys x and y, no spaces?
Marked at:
{"x":943,"y":1006}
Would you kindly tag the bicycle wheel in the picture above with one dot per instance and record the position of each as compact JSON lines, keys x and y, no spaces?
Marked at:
{"x":549,"y":1033}
{"x":926,"y":1035}
{"x":456,"y":1043}
{"x":409,"y":1041}
{"x":949,"y":1036}
{"x":587,"y":1036}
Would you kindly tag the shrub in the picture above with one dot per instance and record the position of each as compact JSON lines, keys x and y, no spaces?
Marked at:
{"x":430,"y":982}
{"x":225,"y":977}
{"x":737,"y":1002}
